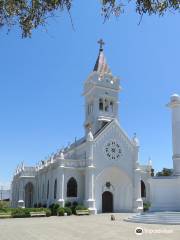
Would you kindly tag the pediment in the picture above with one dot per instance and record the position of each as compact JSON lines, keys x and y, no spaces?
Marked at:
{"x":114,"y":131}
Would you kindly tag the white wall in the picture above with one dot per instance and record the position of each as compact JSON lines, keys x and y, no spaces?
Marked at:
{"x":165,"y":194}
{"x":121,"y":188}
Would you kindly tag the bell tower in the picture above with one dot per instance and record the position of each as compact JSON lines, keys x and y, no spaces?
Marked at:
{"x":101,"y":95}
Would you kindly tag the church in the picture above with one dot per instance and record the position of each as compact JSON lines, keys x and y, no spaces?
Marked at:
{"x":101,"y":170}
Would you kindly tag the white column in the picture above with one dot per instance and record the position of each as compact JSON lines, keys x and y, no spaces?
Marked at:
{"x":137,"y":200}
{"x":21,"y":203}
{"x":175,"y":108}
{"x":61,"y":181}
{"x":89,"y":178}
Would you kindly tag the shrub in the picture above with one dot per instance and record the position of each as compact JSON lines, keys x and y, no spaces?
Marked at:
{"x":54,"y":207}
{"x":39,"y":205}
{"x":25,"y":212}
{"x":5,"y":210}
{"x":146,"y":206}
{"x":68,"y":211}
{"x":75,"y":203}
{"x":48,"y":212}
{"x":60,"y":211}
{"x":4,"y":204}
{"x":67,"y":204}
{"x":20,"y":213}
{"x":73,"y":209}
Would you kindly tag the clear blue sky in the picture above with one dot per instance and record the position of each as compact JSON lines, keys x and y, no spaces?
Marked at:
{"x":41,"y":82}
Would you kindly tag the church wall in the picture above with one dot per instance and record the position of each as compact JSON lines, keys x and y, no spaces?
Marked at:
{"x":118,"y":172}
{"x":125,"y":161}
{"x":120,"y":187}
{"x":80,"y":178}
{"x":42,"y":178}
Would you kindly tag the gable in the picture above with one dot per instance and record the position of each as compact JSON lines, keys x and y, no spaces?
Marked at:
{"x":112,"y":147}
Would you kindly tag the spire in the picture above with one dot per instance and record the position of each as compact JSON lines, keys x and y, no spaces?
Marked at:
{"x":101,"y":65}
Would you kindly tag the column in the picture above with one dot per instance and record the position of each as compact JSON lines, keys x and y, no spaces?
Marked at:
{"x":137,"y":200}
{"x":175,"y":108}
{"x":21,"y":203}
{"x":89,"y":178}
{"x":61,"y":181}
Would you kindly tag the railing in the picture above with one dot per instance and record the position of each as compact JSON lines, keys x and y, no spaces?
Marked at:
{"x":74,"y":163}
{"x":27,"y":171}
{"x":31,"y":171}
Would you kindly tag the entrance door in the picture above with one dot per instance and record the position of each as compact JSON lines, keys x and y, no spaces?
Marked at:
{"x":107,"y":202}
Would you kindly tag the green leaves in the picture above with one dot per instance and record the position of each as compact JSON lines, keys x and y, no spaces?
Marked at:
{"x":158,"y":7}
{"x":30,"y":14}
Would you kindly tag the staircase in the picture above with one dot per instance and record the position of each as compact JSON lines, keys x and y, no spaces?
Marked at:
{"x":156,"y":218}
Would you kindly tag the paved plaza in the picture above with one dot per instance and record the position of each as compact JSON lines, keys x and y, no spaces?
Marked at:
{"x":83,"y":227}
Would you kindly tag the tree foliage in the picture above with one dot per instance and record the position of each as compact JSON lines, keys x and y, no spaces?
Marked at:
{"x":29,"y":14}
{"x":165,"y":172}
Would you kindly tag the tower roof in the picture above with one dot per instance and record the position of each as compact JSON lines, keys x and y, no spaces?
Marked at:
{"x":101,"y":65}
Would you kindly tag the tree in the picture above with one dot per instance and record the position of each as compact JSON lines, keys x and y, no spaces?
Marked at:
{"x":29,"y":14}
{"x":152,"y":172}
{"x":165,"y":172}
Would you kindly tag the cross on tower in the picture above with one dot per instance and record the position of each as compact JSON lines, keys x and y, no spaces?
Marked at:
{"x":101,"y":43}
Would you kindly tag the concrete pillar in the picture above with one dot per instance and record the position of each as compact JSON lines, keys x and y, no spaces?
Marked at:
{"x":21,"y":203}
{"x":61,"y":181}
{"x":175,"y":108}
{"x":137,"y":200}
{"x":89,"y":178}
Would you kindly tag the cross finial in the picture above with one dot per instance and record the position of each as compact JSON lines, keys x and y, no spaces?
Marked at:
{"x":101,"y":43}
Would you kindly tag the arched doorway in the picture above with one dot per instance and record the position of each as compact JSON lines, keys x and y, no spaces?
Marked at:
{"x":107,"y":202}
{"x":29,"y":195}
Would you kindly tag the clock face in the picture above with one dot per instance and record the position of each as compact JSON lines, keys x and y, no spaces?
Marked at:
{"x":113,"y":150}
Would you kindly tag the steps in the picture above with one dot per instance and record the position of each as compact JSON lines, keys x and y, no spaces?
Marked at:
{"x":156,"y":218}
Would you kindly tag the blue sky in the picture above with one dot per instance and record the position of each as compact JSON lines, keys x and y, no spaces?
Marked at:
{"x":41,"y":82}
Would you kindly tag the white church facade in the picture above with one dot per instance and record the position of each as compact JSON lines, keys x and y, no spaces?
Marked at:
{"x":101,"y":170}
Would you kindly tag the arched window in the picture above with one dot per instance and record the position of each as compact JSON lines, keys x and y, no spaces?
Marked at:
{"x":72,"y":188}
{"x":143,"y":189}
{"x":101,"y":104}
{"x":55,"y":189}
{"x":48,"y":189}
{"x":111,"y":106}
{"x":106,"y":107}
